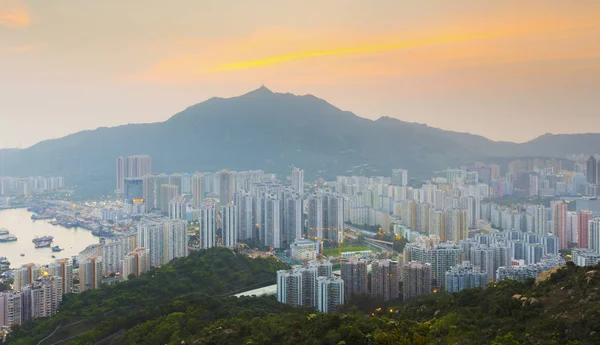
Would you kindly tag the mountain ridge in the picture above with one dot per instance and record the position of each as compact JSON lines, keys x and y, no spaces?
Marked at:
{"x":272,"y":131}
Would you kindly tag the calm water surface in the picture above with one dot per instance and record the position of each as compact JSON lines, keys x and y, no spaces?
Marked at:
{"x":19,"y":223}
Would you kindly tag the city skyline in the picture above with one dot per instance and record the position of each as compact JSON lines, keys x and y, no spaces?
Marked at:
{"x":507,"y":71}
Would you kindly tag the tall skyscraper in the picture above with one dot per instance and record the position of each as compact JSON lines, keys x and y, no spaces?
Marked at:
{"x":592,"y":170}
{"x":416,"y":279}
{"x":165,"y":240}
{"x":197,"y":191}
{"x":559,"y":223}
{"x":298,"y":180}
{"x":355,"y":276}
{"x":208,"y":226}
{"x":330,"y":294}
{"x":225,"y":187}
{"x":229,"y":221}
{"x":583,"y":225}
{"x":90,"y":273}
{"x":177,"y":180}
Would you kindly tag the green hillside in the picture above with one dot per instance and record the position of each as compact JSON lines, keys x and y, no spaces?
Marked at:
{"x":186,"y":303}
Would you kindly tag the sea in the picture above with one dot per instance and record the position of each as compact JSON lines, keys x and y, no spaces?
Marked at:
{"x":19,"y":223}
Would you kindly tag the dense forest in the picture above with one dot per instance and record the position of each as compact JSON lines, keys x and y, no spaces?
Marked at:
{"x":187,"y":302}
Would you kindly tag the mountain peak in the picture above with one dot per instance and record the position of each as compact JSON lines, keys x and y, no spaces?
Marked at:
{"x":261,"y":91}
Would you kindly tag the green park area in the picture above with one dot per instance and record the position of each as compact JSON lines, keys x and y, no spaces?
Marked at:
{"x":334,"y":251}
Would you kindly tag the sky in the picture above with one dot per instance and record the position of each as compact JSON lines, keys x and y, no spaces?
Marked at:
{"x":508,"y":70}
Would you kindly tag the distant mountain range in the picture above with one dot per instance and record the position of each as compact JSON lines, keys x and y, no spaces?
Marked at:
{"x":273,"y":132}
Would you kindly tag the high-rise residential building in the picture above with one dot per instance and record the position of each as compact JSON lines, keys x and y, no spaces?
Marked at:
{"x":41,"y":298}
{"x":177,"y":208}
{"x":592,"y":170}
{"x":385,"y":279}
{"x":25,"y":275}
{"x":292,"y":218}
{"x":63,"y":268}
{"x":151,"y":236}
{"x":138,"y":166}
{"x":465,"y":276}
{"x":441,"y":257}
{"x":225,"y":187}
{"x":132,"y":167}
{"x":594,"y":235}
{"x":540,"y":219}
{"x":90,"y":273}
{"x":229,"y":221}
{"x":149,"y":193}
{"x":197,"y":191}
{"x":583,"y":225}
{"x":559,"y":223}
{"x":136,"y":263}
{"x":208,"y":226}
{"x":177,"y":180}
{"x":134,"y":189}
{"x":11,"y":308}
{"x":271,"y":228}
{"x":246,"y":218}
{"x":457,"y":225}
{"x":400,"y":177}
{"x":112,"y":255}
{"x":355,"y":276}
{"x":168,"y":192}
{"x":330,"y":294}
{"x":175,"y":240}
{"x":121,"y":172}
{"x":298,"y":180}
{"x":416,"y":279}
{"x":159,"y":181}
{"x":326,"y":217}
{"x":289,"y":287}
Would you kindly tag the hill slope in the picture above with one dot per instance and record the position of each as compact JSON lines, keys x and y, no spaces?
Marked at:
{"x":270,"y":131}
{"x":178,"y":304}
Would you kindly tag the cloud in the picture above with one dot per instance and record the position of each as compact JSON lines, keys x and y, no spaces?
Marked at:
{"x":13,"y":16}
{"x":26,"y":48}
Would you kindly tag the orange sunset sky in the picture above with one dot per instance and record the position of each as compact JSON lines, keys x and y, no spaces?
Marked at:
{"x":508,"y":70}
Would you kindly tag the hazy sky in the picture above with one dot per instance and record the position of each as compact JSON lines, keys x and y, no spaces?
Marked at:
{"x":509,"y":69}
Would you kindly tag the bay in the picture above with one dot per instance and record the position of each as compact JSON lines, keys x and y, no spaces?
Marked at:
{"x":20,"y":224}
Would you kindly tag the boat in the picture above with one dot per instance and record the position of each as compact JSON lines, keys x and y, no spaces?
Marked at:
{"x":57,"y":249}
{"x":3,"y":232}
{"x":22,"y":254}
{"x":53,"y":222}
{"x":43,"y":244}
{"x":54,"y":257}
{"x":43,"y":239}
{"x":9,"y":238}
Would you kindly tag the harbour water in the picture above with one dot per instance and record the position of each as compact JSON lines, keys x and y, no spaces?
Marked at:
{"x":20,"y":224}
